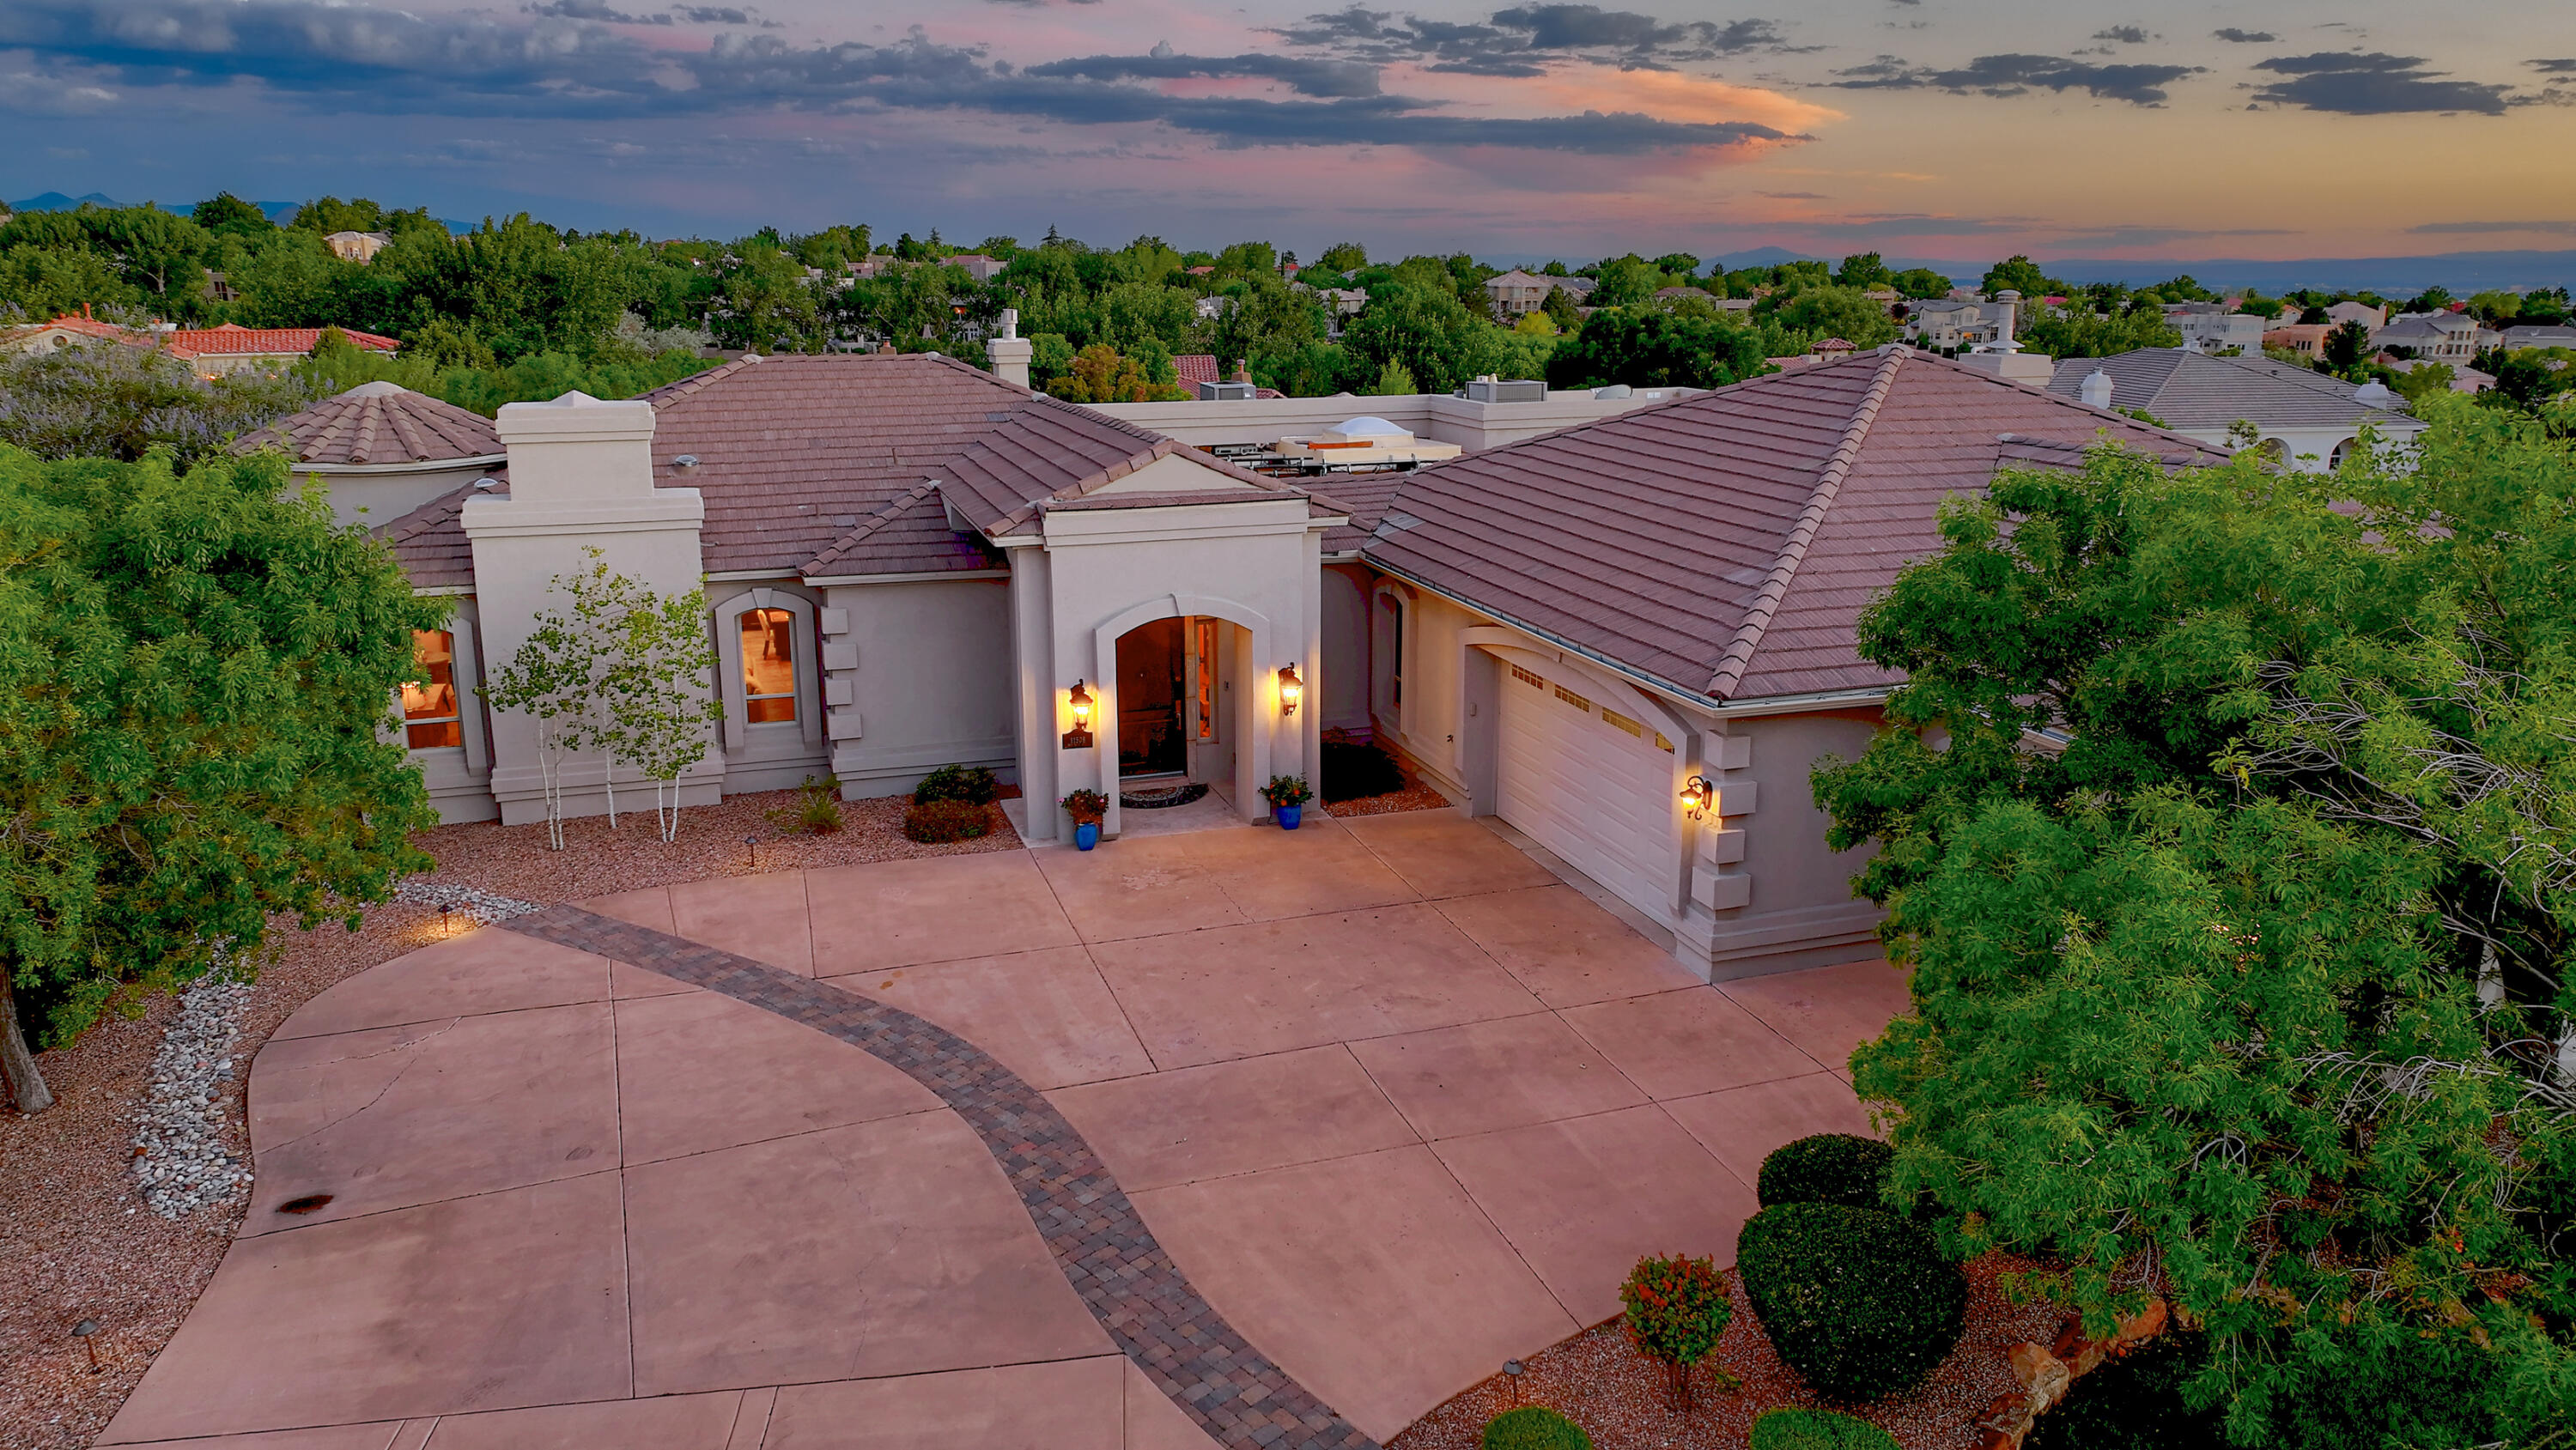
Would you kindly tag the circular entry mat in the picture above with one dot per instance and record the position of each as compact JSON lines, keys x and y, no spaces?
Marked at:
{"x":1162,"y":797}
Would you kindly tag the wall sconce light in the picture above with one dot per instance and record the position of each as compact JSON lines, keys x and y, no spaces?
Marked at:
{"x":1291,"y":689}
{"x":1079,"y":737}
{"x":1697,"y":793}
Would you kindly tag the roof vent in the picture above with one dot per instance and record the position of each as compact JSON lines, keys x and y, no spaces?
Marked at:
{"x":1615,"y":390}
{"x":686,"y":463}
{"x":2096,"y":391}
{"x":2374,"y":394}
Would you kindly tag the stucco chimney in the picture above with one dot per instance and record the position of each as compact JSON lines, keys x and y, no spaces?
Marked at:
{"x":1011,"y":352}
{"x":2096,"y":391}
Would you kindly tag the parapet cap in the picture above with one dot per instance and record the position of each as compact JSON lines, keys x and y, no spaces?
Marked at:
{"x":576,"y":417}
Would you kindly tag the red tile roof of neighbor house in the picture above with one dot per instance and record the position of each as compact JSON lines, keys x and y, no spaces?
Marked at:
{"x":234,"y":340}
{"x":1724,"y":544}
{"x":379,"y":423}
{"x":1196,"y":367}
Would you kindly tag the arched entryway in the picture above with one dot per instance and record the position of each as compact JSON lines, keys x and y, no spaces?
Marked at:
{"x":1176,"y":684}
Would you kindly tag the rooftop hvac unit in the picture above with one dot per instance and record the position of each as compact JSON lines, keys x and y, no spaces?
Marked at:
{"x":1493,"y":390}
{"x":1224,"y":392}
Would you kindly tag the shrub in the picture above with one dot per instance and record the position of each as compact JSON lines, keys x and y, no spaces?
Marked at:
{"x":1086,"y":805}
{"x":2135,"y":1402}
{"x":935,"y":823}
{"x":1350,"y":770}
{"x":1817,"y":1430}
{"x":1856,"y":1300}
{"x":1534,"y":1427}
{"x":1677,"y":1311}
{"x":972,"y":784}
{"x":1287,"y":790}
{"x":1826,"y":1168}
{"x":817,"y":811}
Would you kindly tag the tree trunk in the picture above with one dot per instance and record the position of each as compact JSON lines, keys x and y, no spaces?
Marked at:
{"x":26,"y":1083}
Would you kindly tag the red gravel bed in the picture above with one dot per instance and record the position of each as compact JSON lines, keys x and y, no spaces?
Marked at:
{"x":1618,"y":1395}
{"x":75,"y":1240}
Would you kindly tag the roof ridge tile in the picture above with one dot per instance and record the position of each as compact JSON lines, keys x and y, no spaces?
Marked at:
{"x":1793,"y":550}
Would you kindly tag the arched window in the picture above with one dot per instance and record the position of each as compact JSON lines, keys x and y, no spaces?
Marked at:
{"x":2341,"y":452}
{"x":768,"y":666}
{"x":431,"y":717}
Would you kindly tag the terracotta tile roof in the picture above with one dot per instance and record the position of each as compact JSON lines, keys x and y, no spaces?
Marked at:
{"x":430,"y":541}
{"x":234,"y":340}
{"x":85,"y":326}
{"x":2194,"y":390}
{"x":379,"y":423}
{"x":1725,"y":543}
{"x":1196,"y":367}
{"x":1364,"y":496}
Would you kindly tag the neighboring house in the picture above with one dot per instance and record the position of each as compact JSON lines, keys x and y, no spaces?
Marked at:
{"x":2216,"y":327}
{"x":2464,"y":379}
{"x":909,"y":563}
{"x":2451,"y":337}
{"x":1518,"y":294}
{"x":977,"y":265}
{"x":210,"y":351}
{"x":2303,"y":338}
{"x":1194,"y":368}
{"x":2309,"y":420}
{"x":2373,"y":318}
{"x":357,"y":246}
{"x":2535,"y":335}
{"x":1959,"y":325}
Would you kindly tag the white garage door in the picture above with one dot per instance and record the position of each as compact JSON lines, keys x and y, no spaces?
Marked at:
{"x":1589,"y":784}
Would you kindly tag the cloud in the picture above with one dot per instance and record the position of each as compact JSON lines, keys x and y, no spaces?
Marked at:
{"x":600,"y":10}
{"x":2434,"y":229}
{"x":2144,"y":236}
{"x":2122,"y":34}
{"x":340,"y":58}
{"x":1305,"y":76}
{"x":1807,"y":195}
{"x":2014,"y":75}
{"x":2354,"y":83}
{"x":1525,"y":40}
{"x":2245,"y":37}
{"x":2553,"y":67}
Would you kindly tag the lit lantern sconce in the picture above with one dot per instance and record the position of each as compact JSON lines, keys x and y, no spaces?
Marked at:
{"x":1697,"y":793}
{"x":1079,"y":737}
{"x":1291,"y":689}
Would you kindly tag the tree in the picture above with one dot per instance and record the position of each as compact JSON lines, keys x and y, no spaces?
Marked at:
{"x":2250,"y":992}
{"x":1650,"y":348}
{"x":1864,"y":270}
{"x":764,"y":303}
{"x":1676,"y":264}
{"x":2020,"y":274}
{"x":1439,"y":342}
{"x":1343,"y":257}
{"x":1626,"y":280}
{"x":1921,"y":283}
{"x":114,"y":400}
{"x":1102,"y":374}
{"x":331,"y":214}
{"x":655,"y":693}
{"x":2076,"y":331}
{"x":555,"y":680}
{"x":2345,"y":347}
{"x":1562,"y":309}
{"x":196,"y":676}
{"x":2424,"y":380}
{"x":1838,"y":312}
{"x":1394,"y":380}
{"x":227,"y":215}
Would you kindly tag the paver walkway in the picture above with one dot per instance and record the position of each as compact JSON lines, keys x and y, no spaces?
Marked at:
{"x":1131,"y":1286}
{"x":1398,"y":1102}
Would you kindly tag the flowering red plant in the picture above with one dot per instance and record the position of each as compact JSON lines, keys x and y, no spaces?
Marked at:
{"x":1678,"y":1308}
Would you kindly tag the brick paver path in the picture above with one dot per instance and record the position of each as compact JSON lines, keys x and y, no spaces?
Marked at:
{"x":1130,"y":1284}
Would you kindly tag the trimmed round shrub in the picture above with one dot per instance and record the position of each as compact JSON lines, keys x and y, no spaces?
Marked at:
{"x":1352,"y":771}
{"x":936,"y":823}
{"x":1818,"y":1430}
{"x":1826,"y":1168}
{"x":1534,"y":1427}
{"x":972,"y":784}
{"x":1858,"y":1301}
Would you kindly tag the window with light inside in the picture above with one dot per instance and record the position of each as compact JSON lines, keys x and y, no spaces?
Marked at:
{"x":768,"y":666}
{"x":430,"y":717}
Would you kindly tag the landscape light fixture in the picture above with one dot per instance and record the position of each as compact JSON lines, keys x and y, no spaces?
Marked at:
{"x":87,"y":1333}
{"x":752,"y":844}
{"x":1512,"y":1369}
{"x":1079,"y":699}
{"x":1291,"y":688}
{"x":1697,"y":793}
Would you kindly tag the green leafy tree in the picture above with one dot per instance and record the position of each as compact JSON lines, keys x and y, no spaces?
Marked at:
{"x":196,"y":676}
{"x":1920,"y":283}
{"x":112,"y":400}
{"x":1864,"y":270}
{"x":2020,"y":274}
{"x":764,"y":303}
{"x":227,"y":215}
{"x":656,"y":698}
{"x":1102,"y":374}
{"x":1343,"y":257}
{"x":1648,"y":347}
{"x":1676,"y":264}
{"x":292,"y":280}
{"x":2250,"y":988}
{"x":1625,"y":281}
{"x":331,"y":214}
{"x":1439,"y":342}
{"x":2345,"y":347}
{"x":2077,"y":331}
{"x":1838,"y":312}
{"x":38,"y":284}
{"x":1562,"y":309}
{"x":1395,"y":380}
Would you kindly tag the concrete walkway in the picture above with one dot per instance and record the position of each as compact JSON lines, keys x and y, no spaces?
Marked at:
{"x":1396,"y":1101}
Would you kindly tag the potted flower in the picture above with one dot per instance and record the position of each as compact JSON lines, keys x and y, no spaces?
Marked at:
{"x":1287,"y":795}
{"x":1088,"y":808}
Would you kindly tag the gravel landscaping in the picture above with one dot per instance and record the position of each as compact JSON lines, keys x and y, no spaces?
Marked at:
{"x":1600,"y":1381}
{"x":122,"y":1197}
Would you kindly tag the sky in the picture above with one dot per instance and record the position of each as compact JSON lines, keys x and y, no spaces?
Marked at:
{"x":1953,"y":129}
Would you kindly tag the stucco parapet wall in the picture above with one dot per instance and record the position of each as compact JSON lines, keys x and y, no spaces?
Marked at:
{"x":1251,"y":517}
{"x":505,"y":517}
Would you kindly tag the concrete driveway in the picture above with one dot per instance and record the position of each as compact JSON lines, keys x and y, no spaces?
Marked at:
{"x":1396,"y":1101}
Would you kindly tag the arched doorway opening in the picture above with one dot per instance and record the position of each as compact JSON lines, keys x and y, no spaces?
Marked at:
{"x":1175,"y":688}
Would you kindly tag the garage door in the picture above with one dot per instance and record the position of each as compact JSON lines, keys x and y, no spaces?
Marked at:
{"x":1589,"y":784}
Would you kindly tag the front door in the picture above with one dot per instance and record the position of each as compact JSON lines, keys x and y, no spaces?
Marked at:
{"x":1153,"y":700}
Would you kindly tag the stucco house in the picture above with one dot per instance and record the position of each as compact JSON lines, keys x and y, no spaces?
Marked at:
{"x":2309,"y":420}
{"x":1622,"y":625}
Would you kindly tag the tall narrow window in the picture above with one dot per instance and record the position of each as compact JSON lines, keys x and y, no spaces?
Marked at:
{"x":1395,"y":672}
{"x":1206,"y":640}
{"x":430,"y":718}
{"x":768,"y":666}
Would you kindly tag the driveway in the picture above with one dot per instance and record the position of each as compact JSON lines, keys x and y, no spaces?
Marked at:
{"x":1309,"y":1129}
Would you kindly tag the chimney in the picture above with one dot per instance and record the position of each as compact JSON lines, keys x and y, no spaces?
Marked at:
{"x":2010,"y":301}
{"x":2096,"y":391}
{"x":1243,"y":370}
{"x":1011,"y":352}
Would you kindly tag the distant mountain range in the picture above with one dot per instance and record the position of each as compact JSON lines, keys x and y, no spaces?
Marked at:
{"x":2461,"y":272}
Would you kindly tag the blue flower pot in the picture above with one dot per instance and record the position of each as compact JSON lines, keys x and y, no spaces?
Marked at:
{"x":1288,"y":816}
{"x":1086,"y":835}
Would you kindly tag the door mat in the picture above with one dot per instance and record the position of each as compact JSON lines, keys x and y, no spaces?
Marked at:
{"x":1162,"y":797}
